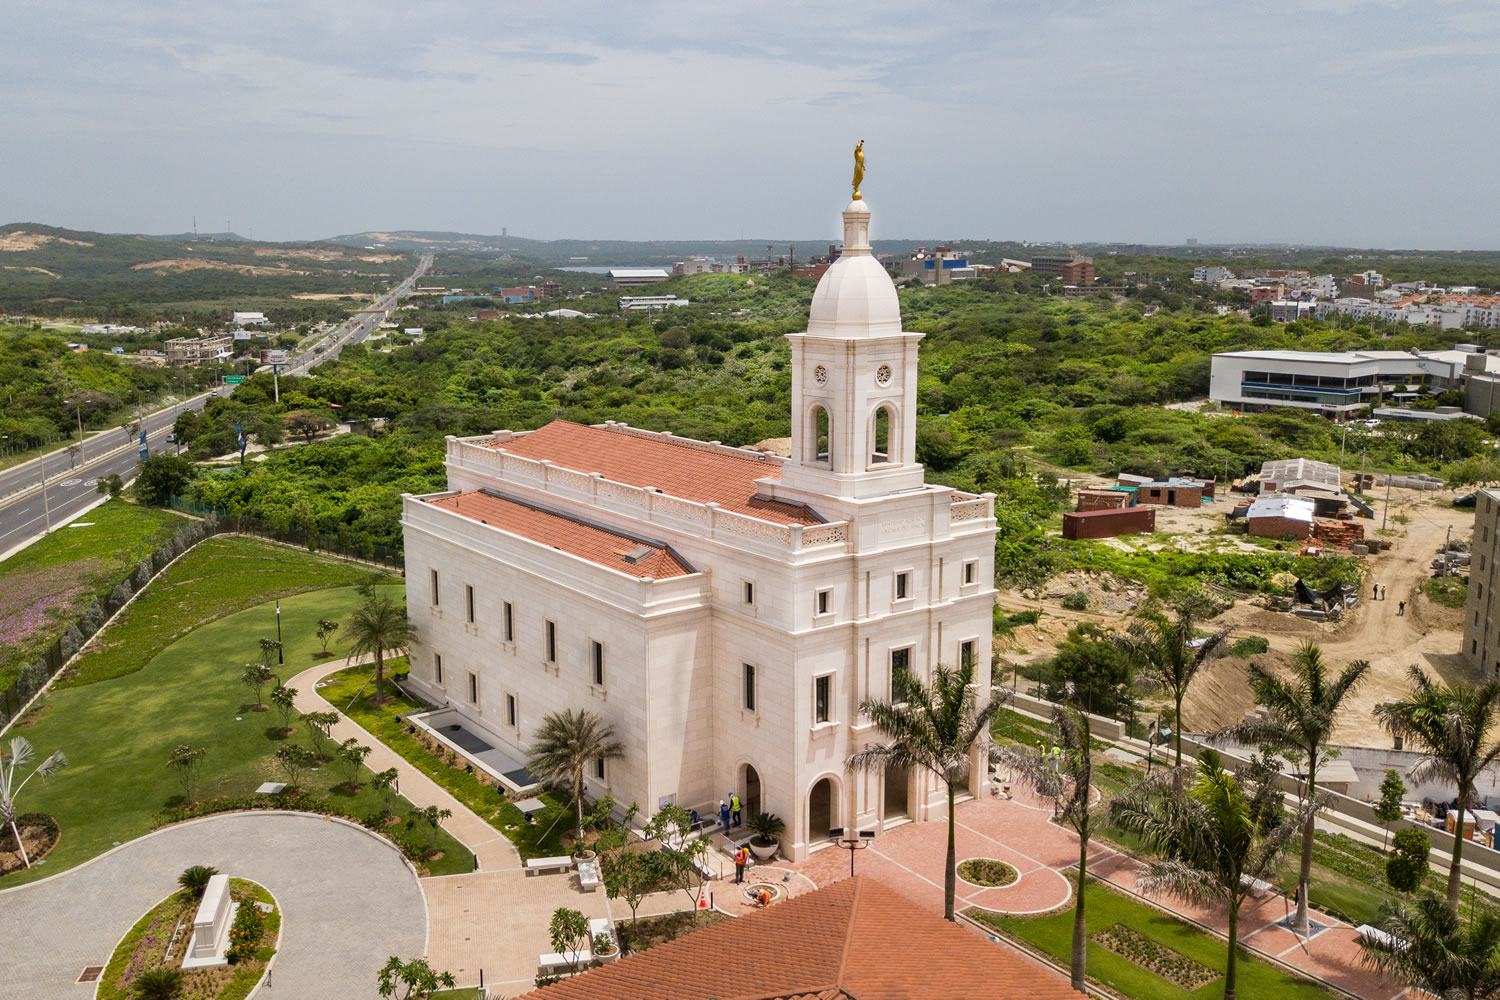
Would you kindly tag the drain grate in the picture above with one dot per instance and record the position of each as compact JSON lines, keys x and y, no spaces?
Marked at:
{"x":90,"y":973}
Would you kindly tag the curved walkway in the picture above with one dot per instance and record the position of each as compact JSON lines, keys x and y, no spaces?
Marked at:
{"x":348,"y":901}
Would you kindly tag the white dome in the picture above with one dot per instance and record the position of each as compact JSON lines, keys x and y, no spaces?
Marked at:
{"x":855,"y":297}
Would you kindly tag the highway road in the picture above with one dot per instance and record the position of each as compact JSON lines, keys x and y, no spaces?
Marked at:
{"x":27,"y":508}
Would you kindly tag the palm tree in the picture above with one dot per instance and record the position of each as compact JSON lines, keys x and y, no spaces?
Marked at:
{"x":1430,"y":948}
{"x":564,"y":745}
{"x":1070,"y":790}
{"x":1213,"y":841}
{"x":1299,"y":717}
{"x":1161,"y":645}
{"x":1452,"y":726}
{"x":378,"y":627}
{"x":21,"y":754}
{"x":931,"y":728}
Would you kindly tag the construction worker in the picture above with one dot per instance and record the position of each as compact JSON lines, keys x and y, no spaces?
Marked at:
{"x":1056,"y":759}
{"x":734,"y":809}
{"x":741,"y":859}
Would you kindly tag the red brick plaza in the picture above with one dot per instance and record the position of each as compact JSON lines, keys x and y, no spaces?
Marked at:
{"x":1019,"y":832}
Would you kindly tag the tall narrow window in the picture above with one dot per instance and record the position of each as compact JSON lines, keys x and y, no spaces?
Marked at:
{"x":822,"y":435}
{"x":822,"y":697}
{"x":473,"y":689}
{"x":903,"y":586}
{"x":510,"y":710}
{"x":749,"y":592}
{"x":599,"y":768}
{"x":434,"y":588}
{"x":469,"y":602}
{"x":551,"y":642}
{"x":900,"y":667}
{"x":880,"y":438}
{"x":510,"y":623}
{"x":749,"y":687}
{"x":966,"y":653}
{"x":823,"y":602}
{"x":437,"y":668}
{"x":598,"y":664}
{"x":971,"y":571}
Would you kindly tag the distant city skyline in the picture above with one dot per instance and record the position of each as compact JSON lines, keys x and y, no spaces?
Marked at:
{"x":1332,"y":122}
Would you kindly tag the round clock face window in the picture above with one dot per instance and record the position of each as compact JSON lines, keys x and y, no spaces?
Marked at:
{"x":820,"y":375}
{"x":883,"y":375}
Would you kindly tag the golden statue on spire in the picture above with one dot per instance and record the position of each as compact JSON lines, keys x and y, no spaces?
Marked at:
{"x":859,"y":167}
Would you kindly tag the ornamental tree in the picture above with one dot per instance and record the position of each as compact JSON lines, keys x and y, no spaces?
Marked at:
{"x":186,"y":762}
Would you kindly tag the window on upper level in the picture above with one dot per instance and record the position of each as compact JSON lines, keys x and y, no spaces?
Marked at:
{"x":822,"y":698}
{"x":510,"y":710}
{"x":903,"y":586}
{"x":473,"y":689}
{"x":966,"y":656}
{"x":599,"y":768}
{"x":971,"y":571}
{"x":823,"y":602}
{"x":598,"y":666}
{"x":749,"y":678}
{"x":469,"y":602}
{"x":900,"y":667}
{"x":510,"y":622}
{"x":749,"y":592}
{"x":434,"y":588}
{"x":552,"y":642}
{"x":437,"y":667}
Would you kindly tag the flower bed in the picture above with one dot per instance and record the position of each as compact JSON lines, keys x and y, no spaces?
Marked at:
{"x":1154,"y":957}
{"x":987,"y":872}
{"x":39,"y":832}
{"x":412,"y":847}
{"x":150,"y":941}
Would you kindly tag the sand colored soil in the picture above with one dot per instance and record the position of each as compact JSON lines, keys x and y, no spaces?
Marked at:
{"x":178,"y":265}
{"x":38,"y":270}
{"x":21,"y":240}
{"x":330,"y":296}
{"x":328,"y":256}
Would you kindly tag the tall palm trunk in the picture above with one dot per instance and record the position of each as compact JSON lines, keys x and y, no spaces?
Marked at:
{"x":578,"y":800}
{"x":19,"y":846}
{"x":1234,"y":948}
{"x":1309,"y":832}
{"x":1080,"y":925}
{"x":950,"y":874}
{"x":1177,"y":736}
{"x":1455,"y":872}
{"x":379,"y":678}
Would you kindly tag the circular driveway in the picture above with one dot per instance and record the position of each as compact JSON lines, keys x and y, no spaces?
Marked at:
{"x":348,"y":902}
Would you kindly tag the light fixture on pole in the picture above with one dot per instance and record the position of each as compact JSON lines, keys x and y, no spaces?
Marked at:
{"x":856,"y":840}
{"x":279,"y":660}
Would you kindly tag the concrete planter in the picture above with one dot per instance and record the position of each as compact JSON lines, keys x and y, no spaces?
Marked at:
{"x":763,"y":853}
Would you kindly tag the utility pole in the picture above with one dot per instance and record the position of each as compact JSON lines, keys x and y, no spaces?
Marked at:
{"x":1342,"y":438}
{"x":1446,"y":540}
{"x":1387,"y":510}
{"x":46,"y":509}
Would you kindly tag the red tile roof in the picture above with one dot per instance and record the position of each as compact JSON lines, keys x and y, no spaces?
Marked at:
{"x":679,"y":470}
{"x":855,"y":938}
{"x":597,"y":545}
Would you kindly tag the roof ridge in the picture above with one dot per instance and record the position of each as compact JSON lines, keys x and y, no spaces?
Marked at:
{"x":854,"y":902}
{"x":667,"y":437}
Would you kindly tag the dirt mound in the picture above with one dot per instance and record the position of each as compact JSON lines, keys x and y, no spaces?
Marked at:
{"x":38,"y":270}
{"x":177,"y":265}
{"x":21,"y":241}
{"x":1107,"y":593}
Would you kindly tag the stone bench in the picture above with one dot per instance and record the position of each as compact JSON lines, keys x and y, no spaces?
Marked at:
{"x":548,"y":864}
{"x":1373,"y":933}
{"x":1257,"y":887}
{"x":588,"y":875}
{"x":557,"y":961}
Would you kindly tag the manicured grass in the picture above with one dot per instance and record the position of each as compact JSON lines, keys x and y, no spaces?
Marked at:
{"x":1054,"y":935}
{"x":48,"y":585}
{"x":220,"y":576}
{"x":540,"y":838}
{"x":118,"y":733}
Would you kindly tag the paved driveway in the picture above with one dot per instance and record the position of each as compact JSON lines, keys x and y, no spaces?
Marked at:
{"x":348,"y":902}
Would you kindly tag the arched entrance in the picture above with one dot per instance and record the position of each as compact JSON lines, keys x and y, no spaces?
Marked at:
{"x":897,"y":794}
{"x":822,"y":810}
{"x":750,"y":790}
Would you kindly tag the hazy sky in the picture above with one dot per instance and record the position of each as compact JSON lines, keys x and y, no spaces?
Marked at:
{"x":1338,"y":121}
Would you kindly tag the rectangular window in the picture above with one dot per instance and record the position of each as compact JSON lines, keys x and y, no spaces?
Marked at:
{"x":971,"y":572}
{"x":966,"y":653}
{"x":551,"y":642}
{"x":437,"y":668}
{"x":823,"y":602}
{"x":903,"y":586}
{"x":473,"y":689}
{"x":434,"y":588}
{"x":599,"y":768}
{"x":822,"y":697}
{"x":749,"y":687}
{"x":510,"y":710}
{"x":510,"y":623}
{"x":749,"y":592}
{"x":598,"y":664}
{"x":900,"y":667}
{"x":469,"y":602}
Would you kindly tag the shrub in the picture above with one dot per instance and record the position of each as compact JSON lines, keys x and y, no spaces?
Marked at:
{"x":1250,"y":645}
{"x":986,"y":871}
{"x":1408,"y":861}
{"x":195,"y":880}
{"x":1076,"y":601}
{"x":159,"y":984}
{"x":245,"y":933}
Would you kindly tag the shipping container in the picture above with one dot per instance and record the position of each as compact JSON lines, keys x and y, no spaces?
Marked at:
{"x":1109,"y":523}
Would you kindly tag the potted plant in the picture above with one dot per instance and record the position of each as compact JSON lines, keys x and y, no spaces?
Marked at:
{"x":767,"y":828}
{"x":604,"y":948}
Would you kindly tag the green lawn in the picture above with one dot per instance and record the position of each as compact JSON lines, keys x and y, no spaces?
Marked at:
{"x":48,"y":585}
{"x":220,"y":576}
{"x":1054,"y":935}
{"x":539,"y":839}
{"x":118,"y":732}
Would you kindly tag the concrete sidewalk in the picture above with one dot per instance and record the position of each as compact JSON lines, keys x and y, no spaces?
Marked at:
{"x":492,"y":850}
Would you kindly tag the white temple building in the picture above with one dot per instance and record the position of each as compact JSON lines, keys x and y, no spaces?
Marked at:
{"x":726,"y":611}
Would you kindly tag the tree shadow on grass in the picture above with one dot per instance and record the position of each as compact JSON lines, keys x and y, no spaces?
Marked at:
{"x":278,"y":733}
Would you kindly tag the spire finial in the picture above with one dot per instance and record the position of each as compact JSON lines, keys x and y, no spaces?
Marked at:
{"x":859,"y":167}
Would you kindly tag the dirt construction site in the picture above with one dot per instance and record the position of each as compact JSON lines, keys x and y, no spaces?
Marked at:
{"x":1428,"y":635}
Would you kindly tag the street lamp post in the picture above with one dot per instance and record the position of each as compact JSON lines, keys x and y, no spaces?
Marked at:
{"x":856,"y":840}
{"x":279,"y":660}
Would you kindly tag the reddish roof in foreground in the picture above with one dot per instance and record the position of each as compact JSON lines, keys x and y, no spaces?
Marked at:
{"x":597,"y":545}
{"x":855,"y":938}
{"x":677,"y":470}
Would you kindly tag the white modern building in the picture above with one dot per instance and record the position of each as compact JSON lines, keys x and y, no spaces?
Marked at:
{"x":1332,"y":382}
{"x":243,"y":319}
{"x":624,"y":277}
{"x":725,"y":611}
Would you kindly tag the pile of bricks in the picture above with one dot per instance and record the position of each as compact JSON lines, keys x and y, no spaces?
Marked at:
{"x":1342,"y":533}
